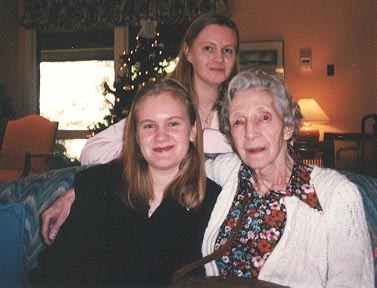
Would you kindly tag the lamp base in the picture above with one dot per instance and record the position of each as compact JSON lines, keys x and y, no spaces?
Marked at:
{"x":310,"y":135}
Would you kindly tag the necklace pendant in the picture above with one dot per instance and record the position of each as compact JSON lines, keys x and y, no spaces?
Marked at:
{"x":206,"y":121}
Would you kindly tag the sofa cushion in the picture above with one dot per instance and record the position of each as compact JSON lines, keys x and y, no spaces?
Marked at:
{"x":12,"y":227}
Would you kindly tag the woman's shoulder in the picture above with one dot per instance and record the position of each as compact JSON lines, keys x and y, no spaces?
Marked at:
{"x":328,"y":177}
{"x":333,"y":186}
{"x":223,"y":167}
{"x":98,"y":179}
{"x":212,"y":191}
{"x":212,"y":186}
{"x":204,"y":210}
{"x":231,"y":158}
{"x":96,"y":172}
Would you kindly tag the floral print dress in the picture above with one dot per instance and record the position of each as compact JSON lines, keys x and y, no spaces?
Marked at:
{"x":263,"y":223}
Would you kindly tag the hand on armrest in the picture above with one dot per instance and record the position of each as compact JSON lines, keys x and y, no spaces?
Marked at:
{"x":54,"y":216}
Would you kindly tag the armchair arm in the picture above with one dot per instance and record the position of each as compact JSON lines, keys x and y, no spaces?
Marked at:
{"x":28,"y":156}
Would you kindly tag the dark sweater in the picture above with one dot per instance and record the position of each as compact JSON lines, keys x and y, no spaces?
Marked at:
{"x":105,"y":243}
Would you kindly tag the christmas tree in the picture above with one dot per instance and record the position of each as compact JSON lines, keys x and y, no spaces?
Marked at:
{"x":146,"y":62}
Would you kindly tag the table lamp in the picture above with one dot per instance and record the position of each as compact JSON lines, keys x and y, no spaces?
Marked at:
{"x":312,"y":113}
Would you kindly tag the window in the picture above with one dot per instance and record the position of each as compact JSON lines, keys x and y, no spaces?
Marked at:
{"x":72,"y":70}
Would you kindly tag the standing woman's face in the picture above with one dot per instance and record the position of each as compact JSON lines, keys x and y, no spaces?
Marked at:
{"x":213,"y":54}
{"x":164,"y":132}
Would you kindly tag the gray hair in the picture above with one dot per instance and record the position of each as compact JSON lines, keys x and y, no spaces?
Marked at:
{"x":288,"y":111}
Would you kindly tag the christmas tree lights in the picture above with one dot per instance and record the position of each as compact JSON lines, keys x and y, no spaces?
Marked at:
{"x":145,"y":62}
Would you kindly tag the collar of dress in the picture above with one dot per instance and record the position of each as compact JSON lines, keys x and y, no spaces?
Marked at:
{"x":299,"y":185}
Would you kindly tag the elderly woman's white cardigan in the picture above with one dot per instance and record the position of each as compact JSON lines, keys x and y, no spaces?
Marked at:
{"x":329,"y":249}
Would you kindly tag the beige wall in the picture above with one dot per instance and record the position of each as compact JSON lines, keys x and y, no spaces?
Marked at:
{"x":339,"y":32}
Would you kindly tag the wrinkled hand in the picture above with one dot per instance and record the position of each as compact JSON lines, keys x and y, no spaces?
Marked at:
{"x":55,"y":215}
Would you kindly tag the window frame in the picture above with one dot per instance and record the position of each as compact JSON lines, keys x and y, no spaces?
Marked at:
{"x":120,"y":44}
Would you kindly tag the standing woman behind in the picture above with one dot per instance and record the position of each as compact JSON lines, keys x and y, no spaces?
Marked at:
{"x":133,"y":225}
{"x":207,"y":61}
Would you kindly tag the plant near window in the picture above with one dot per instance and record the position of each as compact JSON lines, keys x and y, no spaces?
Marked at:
{"x":61,"y":159}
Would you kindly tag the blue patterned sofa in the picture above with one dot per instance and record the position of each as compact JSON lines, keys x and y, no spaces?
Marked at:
{"x":24,"y":200}
{"x":21,"y":202}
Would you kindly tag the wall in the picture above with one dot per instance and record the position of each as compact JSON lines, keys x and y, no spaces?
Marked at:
{"x":9,"y":47}
{"x":339,"y":32}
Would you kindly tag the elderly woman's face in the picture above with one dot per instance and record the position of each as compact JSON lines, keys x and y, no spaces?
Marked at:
{"x":257,"y":128}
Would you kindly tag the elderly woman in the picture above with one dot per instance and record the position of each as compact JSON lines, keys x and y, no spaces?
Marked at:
{"x":304,"y":225}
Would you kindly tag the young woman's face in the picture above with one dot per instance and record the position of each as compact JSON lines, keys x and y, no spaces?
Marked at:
{"x":213,"y":54}
{"x":257,"y":129}
{"x":164,"y":132}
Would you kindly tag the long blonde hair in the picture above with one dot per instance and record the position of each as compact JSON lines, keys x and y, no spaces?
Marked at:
{"x":188,"y":187}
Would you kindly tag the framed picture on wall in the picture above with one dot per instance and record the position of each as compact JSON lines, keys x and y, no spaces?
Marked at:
{"x":265,"y":55}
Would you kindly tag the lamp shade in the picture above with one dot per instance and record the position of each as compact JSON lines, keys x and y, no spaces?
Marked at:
{"x":311,"y":111}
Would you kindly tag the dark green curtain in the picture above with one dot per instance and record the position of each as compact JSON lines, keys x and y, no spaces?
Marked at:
{"x":83,"y":15}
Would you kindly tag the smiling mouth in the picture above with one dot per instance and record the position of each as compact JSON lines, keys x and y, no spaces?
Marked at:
{"x":163,"y":149}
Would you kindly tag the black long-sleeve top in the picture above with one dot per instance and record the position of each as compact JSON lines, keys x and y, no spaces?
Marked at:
{"x":106,"y":243}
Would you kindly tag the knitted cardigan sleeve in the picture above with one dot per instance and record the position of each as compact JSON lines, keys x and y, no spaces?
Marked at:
{"x":350,"y":262}
{"x":223,"y":170}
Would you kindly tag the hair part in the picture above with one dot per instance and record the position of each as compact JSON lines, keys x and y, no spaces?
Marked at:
{"x":288,"y":111}
{"x":188,"y":187}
